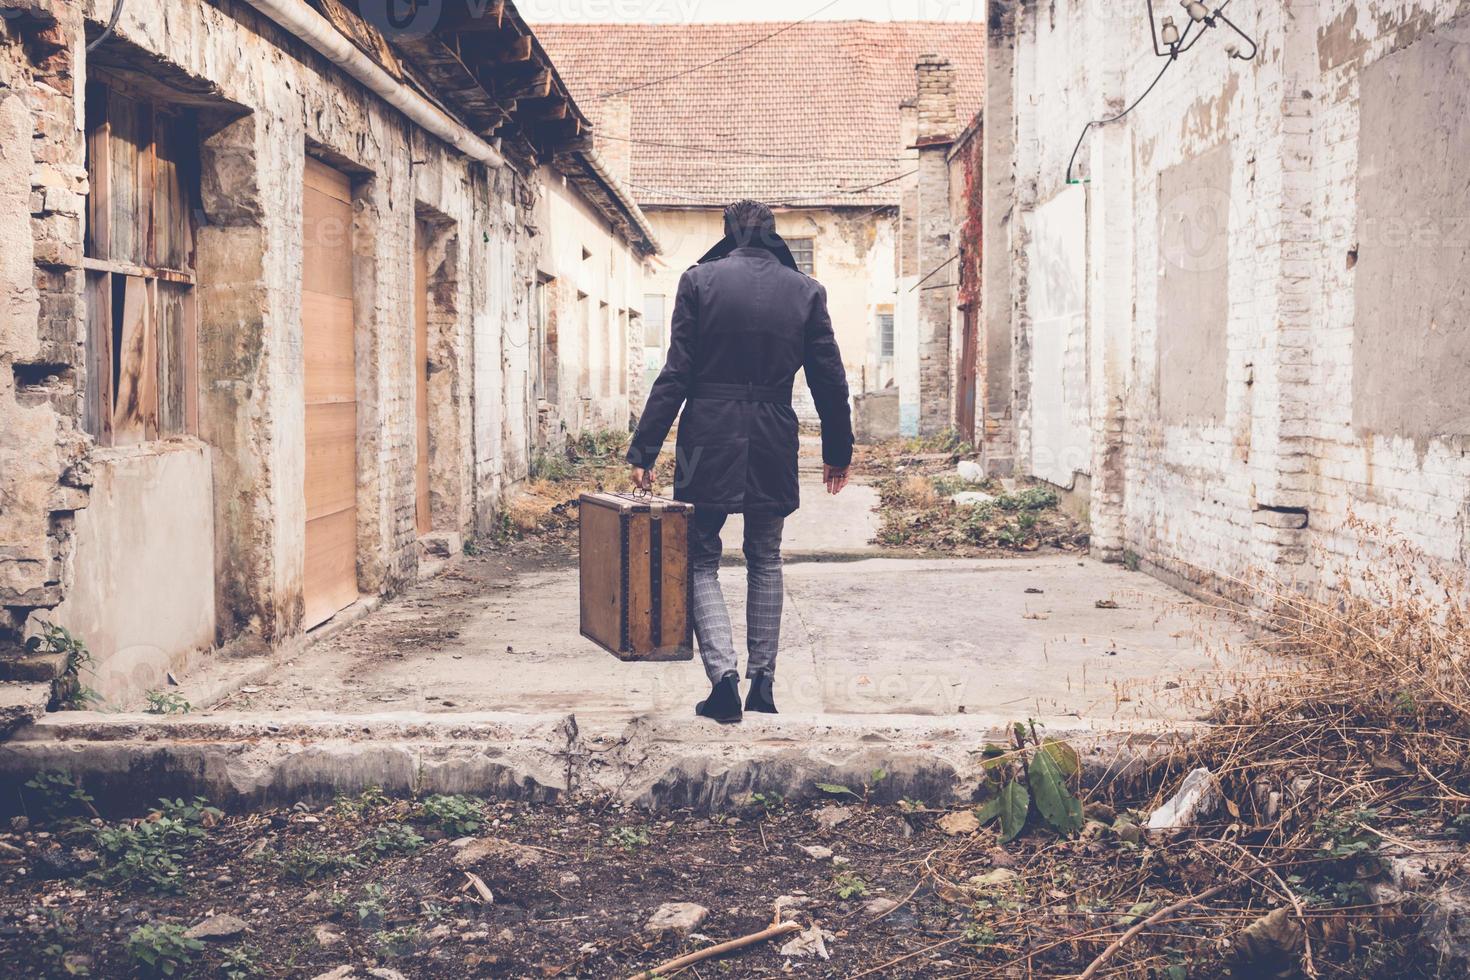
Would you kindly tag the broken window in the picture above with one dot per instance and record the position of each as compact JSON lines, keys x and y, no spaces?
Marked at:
{"x":142,"y":339}
{"x":803,"y":251}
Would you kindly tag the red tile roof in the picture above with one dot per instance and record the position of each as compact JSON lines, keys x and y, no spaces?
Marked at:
{"x":814,"y":110}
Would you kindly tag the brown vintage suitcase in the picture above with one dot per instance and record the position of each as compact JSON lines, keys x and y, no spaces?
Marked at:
{"x":635,"y":575}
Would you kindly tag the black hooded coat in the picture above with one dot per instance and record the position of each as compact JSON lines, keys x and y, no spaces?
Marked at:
{"x":745,"y":321}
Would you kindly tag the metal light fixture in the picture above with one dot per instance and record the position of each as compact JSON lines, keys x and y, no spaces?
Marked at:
{"x":1169,"y":42}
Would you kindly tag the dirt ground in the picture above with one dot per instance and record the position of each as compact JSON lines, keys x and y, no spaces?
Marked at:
{"x":892,"y":890}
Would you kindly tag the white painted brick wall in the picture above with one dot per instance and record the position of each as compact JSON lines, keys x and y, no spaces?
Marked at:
{"x":1190,"y":498}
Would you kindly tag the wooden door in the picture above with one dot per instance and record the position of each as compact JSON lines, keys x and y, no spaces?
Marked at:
{"x":965,"y":410}
{"x":421,"y":376}
{"x":330,"y":580}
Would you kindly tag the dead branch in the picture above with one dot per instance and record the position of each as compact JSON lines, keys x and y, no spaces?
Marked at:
{"x":479,"y":884}
{"x":719,"y":949}
{"x":1296,"y":905}
{"x":1157,"y":917}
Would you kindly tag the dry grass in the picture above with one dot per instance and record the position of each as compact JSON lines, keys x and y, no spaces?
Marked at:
{"x":545,"y":505}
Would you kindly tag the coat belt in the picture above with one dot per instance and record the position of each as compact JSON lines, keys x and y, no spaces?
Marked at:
{"x":779,"y":394}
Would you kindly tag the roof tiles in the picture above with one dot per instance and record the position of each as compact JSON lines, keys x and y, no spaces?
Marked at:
{"x":813,"y":111}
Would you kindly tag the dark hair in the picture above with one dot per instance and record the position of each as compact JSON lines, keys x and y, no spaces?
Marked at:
{"x":748,"y":222}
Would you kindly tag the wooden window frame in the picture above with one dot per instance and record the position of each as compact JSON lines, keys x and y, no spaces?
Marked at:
{"x":804,"y":251}
{"x":141,"y":304}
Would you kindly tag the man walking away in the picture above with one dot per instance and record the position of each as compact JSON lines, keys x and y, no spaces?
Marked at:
{"x":745,"y":320}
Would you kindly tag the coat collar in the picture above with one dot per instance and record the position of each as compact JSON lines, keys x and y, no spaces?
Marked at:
{"x":775,"y":248}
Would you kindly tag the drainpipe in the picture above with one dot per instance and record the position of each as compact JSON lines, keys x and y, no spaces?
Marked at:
{"x":297,"y":18}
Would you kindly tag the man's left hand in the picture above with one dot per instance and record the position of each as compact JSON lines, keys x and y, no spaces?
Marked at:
{"x":642,"y":479}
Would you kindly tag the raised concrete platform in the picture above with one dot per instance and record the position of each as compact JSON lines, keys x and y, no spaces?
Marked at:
{"x":245,"y":760}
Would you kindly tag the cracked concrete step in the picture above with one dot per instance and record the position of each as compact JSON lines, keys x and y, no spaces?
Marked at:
{"x":33,"y":667}
{"x":252,"y":759}
{"x":21,"y":704}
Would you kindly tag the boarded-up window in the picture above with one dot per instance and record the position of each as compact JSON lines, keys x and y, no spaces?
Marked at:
{"x":142,"y":339}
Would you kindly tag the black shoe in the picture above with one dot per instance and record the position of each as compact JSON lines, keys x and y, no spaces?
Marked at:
{"x":760,"y":697}
{"x":723,"y":703}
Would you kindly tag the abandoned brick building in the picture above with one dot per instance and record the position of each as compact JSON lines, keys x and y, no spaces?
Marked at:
{"x":288,"y":305}
{"x":846,"y":128}
{"x":1241,"y":315}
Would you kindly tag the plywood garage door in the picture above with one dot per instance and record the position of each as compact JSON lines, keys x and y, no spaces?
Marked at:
{"x":331,"y":394}
{"x":421,"y":375}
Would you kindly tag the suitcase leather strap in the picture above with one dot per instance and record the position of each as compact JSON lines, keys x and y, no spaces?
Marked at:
{"x":656,"y":570}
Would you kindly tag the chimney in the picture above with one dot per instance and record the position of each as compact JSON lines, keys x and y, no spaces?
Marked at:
{"x":612,"y":135}
{"x":935,"y":103}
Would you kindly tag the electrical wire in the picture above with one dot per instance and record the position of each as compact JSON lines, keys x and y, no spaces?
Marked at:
{"x":1104,"y":122}
{"x":117,"y":9}
{"x":724,"y":57}
{"x":719,"y":151}
{"x":823,"y":196}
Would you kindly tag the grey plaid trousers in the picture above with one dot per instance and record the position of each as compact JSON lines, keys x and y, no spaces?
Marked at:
{"x":764,"y":593}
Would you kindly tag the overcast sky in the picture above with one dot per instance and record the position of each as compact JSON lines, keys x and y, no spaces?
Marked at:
{"x":714,"y":11}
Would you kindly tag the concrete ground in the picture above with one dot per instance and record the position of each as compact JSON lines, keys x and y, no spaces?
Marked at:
{"x":863,"y":635}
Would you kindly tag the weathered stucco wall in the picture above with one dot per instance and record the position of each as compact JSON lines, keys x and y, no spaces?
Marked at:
{"x":598,"y":300}
{"x":1240,"y":417}
{"x":142,"y":594}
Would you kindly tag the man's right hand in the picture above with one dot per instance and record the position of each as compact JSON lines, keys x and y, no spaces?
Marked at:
{"x":642,"y":479}
{"x":835,"y":477}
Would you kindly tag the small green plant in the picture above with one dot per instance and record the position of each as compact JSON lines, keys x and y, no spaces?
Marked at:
{"x":772,"y":803}
{"x":628,"y":838}
{"x":371,"y":908}
{"x":1033,"y":782}
{"x":550,"y":466}
{"x":240,"y":962}
{"x":469,"y":548}
{"x":364,"y":803}
{"x":307,"y":862}
{"x":454,"y":814}
{"x":59,"y":794}
{"x":147,"y":853}
{"x":68,"y":693}
{"x":397,"y":942}
{"x":394,"y":839}
{"x":980,"y":934}
{"x":433,"y":911}
{"x":193,"y":813}
{"x":167,"y":703}
{"x":161,"y":950}
{"x":849,"y":885}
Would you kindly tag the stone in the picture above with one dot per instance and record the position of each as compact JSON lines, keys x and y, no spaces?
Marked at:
{"x":343,"y":972}
{"x":969,"y":469}
{"x":971,"y":498}
{"x":831,"y":816}
{"x":994,"y":878}
{"x":816,"y":851}
{"x":879,"y":905}
{"x":812,"y":942}
{"x":217,"y":927}
{"x":326,"y":936}
{"x":470,"y":852}
{"x":959,"y":822}
{"x":680,"y":918}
